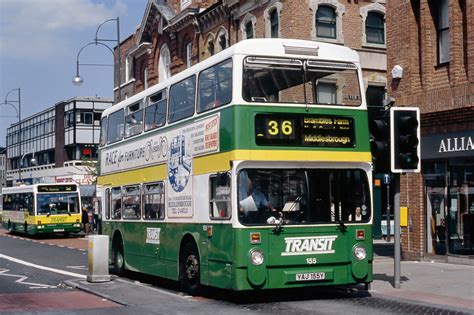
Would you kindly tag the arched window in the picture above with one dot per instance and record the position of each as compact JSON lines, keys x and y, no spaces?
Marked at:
{"x":189,"y":54}
{"x":221,"y":40}
{"x":249,"y":30}
{"x":375,"y":28}
{"x":164,"y":64}
{"x":247,"y":26}
{"x":326,"y":22}
{"x":274,"y":27}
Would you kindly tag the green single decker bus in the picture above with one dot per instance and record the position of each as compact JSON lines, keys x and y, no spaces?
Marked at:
{"x":250,"y":170}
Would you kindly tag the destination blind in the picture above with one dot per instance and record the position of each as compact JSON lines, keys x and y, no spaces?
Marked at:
{"x":306,"y":130}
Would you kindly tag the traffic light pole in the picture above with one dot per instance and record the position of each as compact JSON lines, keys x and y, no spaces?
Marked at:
{"x":396,"y":212}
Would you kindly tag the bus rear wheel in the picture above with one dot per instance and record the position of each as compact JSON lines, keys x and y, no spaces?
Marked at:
{"x":119,"y":261}
{"x":189,"y":269}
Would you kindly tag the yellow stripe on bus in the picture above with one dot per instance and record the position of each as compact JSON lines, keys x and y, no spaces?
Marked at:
{"x":220,"y":162}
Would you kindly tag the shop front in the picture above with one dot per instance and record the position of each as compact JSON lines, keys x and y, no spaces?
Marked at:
{"x":448,"y":171}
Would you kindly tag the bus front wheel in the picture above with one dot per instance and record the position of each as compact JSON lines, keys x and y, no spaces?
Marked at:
{"x":189,"y":269}
{"x":119,"y":261}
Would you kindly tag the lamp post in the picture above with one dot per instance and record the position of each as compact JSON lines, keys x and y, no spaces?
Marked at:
{"x":32,"y":161}
{"x":77,"y":80}
{"x":18,"y":113}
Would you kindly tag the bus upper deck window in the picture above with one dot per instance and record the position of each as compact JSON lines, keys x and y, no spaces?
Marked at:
{"x":134,"y":120}
{"x":155,"y":112}
{"x":182,"y":96}
{"x":215,"y":86}
{"x":103,"y":131}
{"x":115,"y":127}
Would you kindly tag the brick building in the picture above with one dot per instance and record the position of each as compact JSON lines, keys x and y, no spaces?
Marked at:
{"x":176,"y":34}
{"x":433,"y":41}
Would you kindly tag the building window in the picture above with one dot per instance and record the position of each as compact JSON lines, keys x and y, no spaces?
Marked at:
{"x":375,"y":95}
{"x":247,"y":26}
{"x":249,"y":30}
{"x":442,"y":29}
{"x":326,"y":22}
{"x":164,"y":64}
{"x":272,"y":20}
{"x":145,"y":78}
{"x":221,"y":39}
{"x":326,"y":93}
{"x":189,"y":54}
{"x":375,"y":28}
{"x":85,"y":118}
{"x":210,"y":48}
{"x":274,"y":25}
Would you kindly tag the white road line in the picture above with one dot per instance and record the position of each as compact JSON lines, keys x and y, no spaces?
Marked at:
{"x":63,"y":272}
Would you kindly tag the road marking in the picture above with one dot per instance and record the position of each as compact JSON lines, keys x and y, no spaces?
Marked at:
{"x":21,"y":280}
{"x":26,"y":263}
{"x":77,"y":267}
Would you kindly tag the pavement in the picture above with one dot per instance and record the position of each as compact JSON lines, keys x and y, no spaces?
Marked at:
{"x":430,"y":283}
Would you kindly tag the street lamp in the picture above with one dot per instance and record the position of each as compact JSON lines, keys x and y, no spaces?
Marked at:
{"x":77,"y":80}
{"x":18,"y":112}
{"x":32,"y":161}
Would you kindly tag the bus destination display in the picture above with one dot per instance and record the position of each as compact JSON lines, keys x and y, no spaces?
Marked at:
{"x":306,"y":130}
{"x":56,"y":188}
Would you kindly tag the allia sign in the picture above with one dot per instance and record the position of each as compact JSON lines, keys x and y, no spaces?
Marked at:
{"x":456,"y":144}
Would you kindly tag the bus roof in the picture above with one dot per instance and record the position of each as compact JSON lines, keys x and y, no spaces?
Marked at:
{"x":269,"y":47}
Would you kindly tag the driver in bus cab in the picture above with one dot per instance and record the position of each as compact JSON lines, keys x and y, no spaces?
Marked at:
{"x":251,"y":196}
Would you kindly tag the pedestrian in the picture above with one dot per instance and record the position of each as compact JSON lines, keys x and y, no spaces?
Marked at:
{"x":85,"y":220}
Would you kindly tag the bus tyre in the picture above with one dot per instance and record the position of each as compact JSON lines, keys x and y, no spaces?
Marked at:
{"x":119,"y":261}
{"x":189,"y":269}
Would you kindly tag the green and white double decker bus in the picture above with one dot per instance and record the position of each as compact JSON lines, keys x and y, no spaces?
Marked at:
{"x":250,"y":170}
{"x":42,"y":209}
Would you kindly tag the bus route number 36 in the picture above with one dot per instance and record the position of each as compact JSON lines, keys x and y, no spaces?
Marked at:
{"x":311,"y":261}
{"x":284,"y":127}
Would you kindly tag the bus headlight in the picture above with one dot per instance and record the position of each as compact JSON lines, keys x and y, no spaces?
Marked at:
{"x":256,"y":257}
{"x":359,"y":252}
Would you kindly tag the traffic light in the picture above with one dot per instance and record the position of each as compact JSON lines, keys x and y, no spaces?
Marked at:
{"x":380,"y":140}
{"x":405,"y":139}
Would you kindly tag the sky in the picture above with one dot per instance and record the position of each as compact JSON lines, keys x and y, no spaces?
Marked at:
{"x":39,"y":43}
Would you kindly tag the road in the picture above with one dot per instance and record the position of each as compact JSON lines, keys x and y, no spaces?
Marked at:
{"x":47,"y":275}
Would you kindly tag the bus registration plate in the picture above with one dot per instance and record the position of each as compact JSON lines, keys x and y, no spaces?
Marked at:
{"x":58,"y":230}
{"x":310,"y":276}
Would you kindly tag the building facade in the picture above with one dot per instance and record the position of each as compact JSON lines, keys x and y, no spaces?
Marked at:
{"x":433,"y":42}
{"x":58,"y":144}
{"x":176,"y":34}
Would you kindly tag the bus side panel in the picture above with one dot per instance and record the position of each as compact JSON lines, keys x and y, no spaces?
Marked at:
{"x":221,"y":256}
